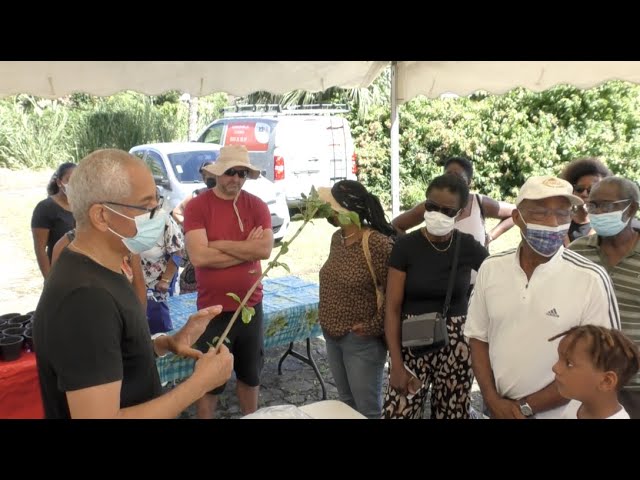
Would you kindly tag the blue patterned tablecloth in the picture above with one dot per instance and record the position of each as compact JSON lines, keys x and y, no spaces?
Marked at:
{"x":290,"y":307}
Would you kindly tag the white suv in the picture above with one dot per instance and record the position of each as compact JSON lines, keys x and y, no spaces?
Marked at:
{"x":295,"y":148}
{"x":175,"y":168}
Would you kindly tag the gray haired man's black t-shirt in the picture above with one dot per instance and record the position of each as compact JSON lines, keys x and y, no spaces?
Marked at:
{"x":90,"y":329}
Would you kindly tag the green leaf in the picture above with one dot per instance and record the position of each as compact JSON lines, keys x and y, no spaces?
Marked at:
{"x":344,"y":219}
{"x":355,"y":219}
{"x":235,"y":297}
{"x":297,"y":217}
{"x":303,"y":195}
{"x":285,"y":266}
{"x":247,"y":314}
{"x":284,"y":248}
{"x":252,"y":311}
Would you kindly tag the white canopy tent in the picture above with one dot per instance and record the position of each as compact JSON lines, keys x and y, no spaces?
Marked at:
{"x":409,"y":79}
{"x":56,"y":79}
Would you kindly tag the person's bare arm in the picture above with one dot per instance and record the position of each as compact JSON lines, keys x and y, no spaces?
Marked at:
{"x":546,"y":399}
{"x":103,"y":401}
{"x":138,"y":283}
{"x":165,"y":279}
{"x":409,"y":219}
{"x":178,"y":212}
{"x":394,"y":295}
{"x":58,"y":248}
{"x":257,"y":246}
{"x":500,"y":210}
{"x":40,"y":237}
{"x":201,"y":255}
{"x":481,"y":364}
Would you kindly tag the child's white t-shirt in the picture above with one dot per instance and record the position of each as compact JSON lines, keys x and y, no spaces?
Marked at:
{"x":571,"y":412}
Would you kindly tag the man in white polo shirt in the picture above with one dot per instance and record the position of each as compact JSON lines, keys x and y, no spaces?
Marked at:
{"x":525,"y":296}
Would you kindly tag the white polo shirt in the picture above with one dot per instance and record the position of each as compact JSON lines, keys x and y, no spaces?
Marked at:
{"x":517,"y":316}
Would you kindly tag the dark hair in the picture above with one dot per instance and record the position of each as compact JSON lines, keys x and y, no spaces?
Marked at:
{"x":204,"y":164}
{"x":52,"y":187}
{"x":465,"y":163}
{"x":580,"y":167}
{"x":610,"y":350}
{"x":354,"y":196}
{"x":452,"y":183}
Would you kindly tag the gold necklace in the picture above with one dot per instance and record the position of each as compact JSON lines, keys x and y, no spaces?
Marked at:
{"x":424,"y":233}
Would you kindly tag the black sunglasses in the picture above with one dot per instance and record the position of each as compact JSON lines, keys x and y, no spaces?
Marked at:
{"x":580,"y":189}
{"x":152,"y":211}
{"x":232,"y":171}
{"x":430,"y":206}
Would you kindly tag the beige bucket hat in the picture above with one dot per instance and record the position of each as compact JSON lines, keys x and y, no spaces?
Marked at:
{"x":233,"y":156}
{"x":324,"y":193}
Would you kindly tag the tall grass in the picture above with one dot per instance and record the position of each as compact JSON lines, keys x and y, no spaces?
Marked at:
{"x":34,"y":134}
{"x":125,"y":126}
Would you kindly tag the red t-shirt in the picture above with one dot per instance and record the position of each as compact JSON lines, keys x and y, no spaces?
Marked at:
{"x":219,"y":219}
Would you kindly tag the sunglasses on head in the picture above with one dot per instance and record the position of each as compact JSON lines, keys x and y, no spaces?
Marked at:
{"x":430,"y":206}
{"x":232,"y":171}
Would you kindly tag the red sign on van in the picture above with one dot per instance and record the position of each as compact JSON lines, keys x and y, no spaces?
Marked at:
{"x":253,"y":135}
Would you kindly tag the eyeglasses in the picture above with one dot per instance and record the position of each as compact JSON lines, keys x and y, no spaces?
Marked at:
{"x":541,"y":214}
{"x":232,"y":171}
{"x":430,"y":206}
{"x":151,"y":211}
{"x":604,"y":207}
{"x":580,"y":189}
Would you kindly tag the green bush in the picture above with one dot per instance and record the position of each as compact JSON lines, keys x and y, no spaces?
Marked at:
{"x":34,"y":134}
{"x":126,"y":120}
{"x":509,"y":137}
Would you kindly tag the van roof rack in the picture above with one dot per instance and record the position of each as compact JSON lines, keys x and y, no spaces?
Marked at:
{"x":275,"y":110}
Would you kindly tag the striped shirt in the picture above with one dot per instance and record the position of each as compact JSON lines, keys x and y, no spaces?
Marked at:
{"x":625,"y":277}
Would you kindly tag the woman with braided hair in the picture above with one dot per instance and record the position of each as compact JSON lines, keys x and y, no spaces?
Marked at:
{"x":351,"y":310}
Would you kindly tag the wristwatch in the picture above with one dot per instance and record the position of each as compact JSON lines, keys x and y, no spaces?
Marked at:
{"x":525,"y":409}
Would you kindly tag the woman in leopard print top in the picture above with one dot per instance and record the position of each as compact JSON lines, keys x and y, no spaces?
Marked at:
{"x":348,"y":311}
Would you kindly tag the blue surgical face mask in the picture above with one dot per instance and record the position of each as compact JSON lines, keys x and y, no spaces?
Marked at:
{"x":544,"y":240}
{"x":608,"y":224}
{"x":149,"y":231}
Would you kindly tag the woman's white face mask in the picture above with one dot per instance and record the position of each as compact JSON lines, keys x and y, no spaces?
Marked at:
{"x":438,"y":224}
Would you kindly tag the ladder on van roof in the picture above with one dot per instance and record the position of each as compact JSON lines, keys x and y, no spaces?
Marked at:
{"x":276,"y":110}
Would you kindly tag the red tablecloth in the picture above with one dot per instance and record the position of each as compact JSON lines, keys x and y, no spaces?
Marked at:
{"x":20,"y":388}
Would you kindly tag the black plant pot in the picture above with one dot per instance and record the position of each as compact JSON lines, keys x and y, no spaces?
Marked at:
{"x":10,"y":348}
{"x":9,"y":316}
{"x":28,"y":341}
{"x":21,"y":320}
{"x":14,"y":330}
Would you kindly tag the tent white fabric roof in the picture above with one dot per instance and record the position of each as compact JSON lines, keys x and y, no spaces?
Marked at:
{"x":53,"y":79}
{"x":462,"y":78}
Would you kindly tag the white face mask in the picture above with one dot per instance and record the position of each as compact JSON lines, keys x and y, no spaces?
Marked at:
{"x":438,"y":224}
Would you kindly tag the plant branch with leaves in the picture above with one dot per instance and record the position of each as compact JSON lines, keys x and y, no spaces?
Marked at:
{"x":313,"y":207}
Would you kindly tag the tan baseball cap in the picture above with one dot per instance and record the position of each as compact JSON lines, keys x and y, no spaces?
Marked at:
{"x":537,"y":188}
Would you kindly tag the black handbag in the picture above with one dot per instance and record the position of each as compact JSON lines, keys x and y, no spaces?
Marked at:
{"x":428,"y":332}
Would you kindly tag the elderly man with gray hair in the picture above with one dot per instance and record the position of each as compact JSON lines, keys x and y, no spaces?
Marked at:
{"x":612,"y":206}
{"x":95,"y":355}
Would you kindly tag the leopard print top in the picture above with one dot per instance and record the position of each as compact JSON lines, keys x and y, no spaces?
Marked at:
{"x":347,"y":292}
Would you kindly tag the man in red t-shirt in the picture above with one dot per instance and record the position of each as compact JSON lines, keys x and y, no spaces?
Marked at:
{"x":227,"y":233}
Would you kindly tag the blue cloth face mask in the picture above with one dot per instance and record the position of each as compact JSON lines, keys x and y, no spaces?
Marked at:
{"x":544,"y":240}
{"x":608,"y":224}
{"x":149,"y":230}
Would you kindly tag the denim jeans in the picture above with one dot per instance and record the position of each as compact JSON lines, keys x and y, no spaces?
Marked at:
{"x":357,"y":365}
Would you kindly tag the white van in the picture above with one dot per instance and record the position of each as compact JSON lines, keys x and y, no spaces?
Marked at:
{"x":295,"y":148}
